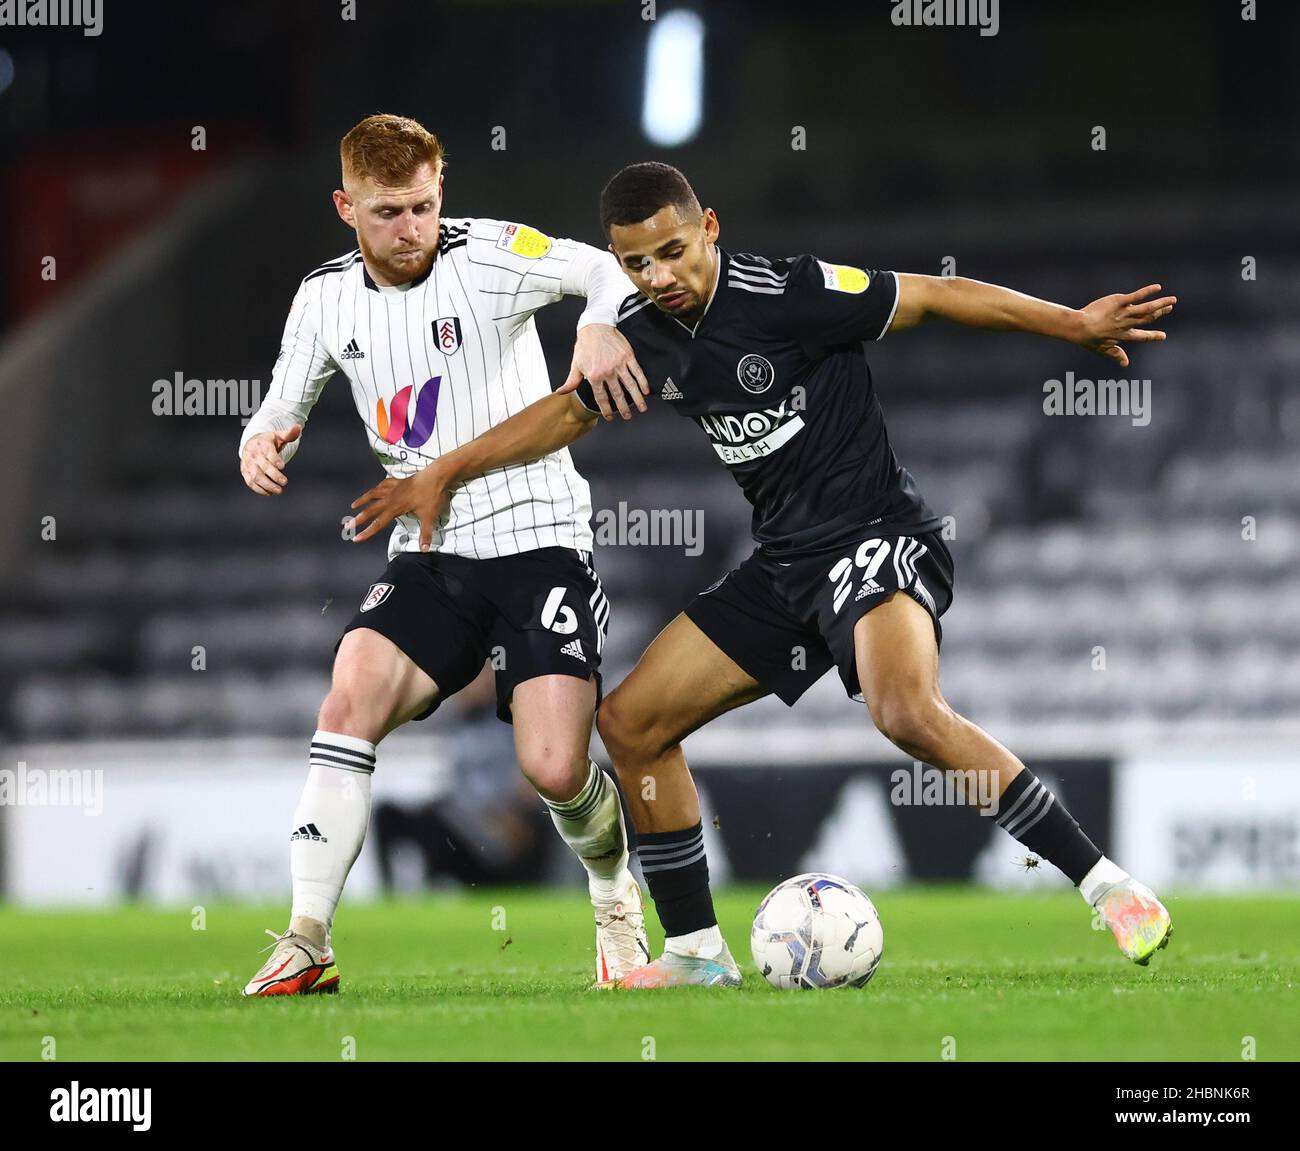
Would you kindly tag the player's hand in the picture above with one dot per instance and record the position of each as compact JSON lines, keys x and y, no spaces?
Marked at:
{"x":424,"y":495}
{"x":1123,"y":317}
{"x":262,"y":466}
{"x":602,"y":355}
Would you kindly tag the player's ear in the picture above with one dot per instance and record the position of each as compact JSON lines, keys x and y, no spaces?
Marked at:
{"x":613,"y":251}
{"x":712,"y":228}
{"x":343,"y":205}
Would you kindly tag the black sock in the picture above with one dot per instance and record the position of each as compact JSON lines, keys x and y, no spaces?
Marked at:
{"x":677,"y":873}
{"x":1032,"y":814}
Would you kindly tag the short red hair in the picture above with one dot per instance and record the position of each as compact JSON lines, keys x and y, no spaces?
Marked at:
{"x":389,"y":149}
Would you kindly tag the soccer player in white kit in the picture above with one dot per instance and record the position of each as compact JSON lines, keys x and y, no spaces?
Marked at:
{"x":431,"y":321}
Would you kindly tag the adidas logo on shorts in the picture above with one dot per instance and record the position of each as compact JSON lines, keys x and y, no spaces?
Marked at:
{"x":869,"y":587}
{"x":574,"y":648}
{"x":670,"y":391}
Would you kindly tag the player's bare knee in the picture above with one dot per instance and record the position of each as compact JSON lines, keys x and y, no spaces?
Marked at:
{"x":914,"y":723}
{"x":610,"y":723}
{"x":557,"y":774}
{"x":629,"y":737}
{"x":337,"y":713}
{"x":349,"y":712}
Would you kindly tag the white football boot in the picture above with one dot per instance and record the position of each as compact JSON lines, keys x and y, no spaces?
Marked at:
{"x":296,"y":967}
{"x":621,"y":943}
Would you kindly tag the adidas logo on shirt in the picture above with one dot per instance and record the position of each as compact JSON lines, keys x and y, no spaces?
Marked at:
{"x":574,"y":648}
{"x":352,"y":352}
{"x":671,"y":391}
{"x":308,"y":831}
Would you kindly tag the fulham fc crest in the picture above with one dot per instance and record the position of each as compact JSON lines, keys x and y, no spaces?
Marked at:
{"x":446,"y":334}
{"x":377,"y":594}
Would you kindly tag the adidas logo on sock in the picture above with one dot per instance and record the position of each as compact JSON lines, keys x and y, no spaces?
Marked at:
{"x":308,"y":831}
{"x":671,"y":391}
{"x":574,"y":648}
{"x":869,"y":587}
{"x":352,"y":352}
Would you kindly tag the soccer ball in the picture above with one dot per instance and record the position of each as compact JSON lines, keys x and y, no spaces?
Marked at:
{"x":816,"y":931}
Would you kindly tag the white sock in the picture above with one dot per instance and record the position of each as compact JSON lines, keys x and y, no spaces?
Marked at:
{"x":705,"y":944}
{"x":1101,"y":875}
{"x":329,"y":824}
{"x":591,"y":823}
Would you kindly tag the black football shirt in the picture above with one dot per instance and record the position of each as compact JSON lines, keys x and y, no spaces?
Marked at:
{"x":775,"y":375}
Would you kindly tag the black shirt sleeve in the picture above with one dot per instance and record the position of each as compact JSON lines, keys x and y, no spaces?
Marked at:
{"x":586,"y":396}
{"x":826,"y":304}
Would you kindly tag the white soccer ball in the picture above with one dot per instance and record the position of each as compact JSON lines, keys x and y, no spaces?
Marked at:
{"x":816,"y":931}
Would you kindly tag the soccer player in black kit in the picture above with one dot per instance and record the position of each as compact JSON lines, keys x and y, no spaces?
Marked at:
{"x":766,"y":356}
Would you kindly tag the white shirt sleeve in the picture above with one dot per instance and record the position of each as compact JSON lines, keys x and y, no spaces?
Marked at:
{"x":299,"y":374}
{"x":527,"y":269}
{"x":596,"y":275}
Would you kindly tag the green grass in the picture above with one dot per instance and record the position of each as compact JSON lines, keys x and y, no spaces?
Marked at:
{"x":1008,"y":977}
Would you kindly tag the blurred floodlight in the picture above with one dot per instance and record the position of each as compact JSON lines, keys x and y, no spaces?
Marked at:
{"x":674,"y":78}
{"x":6,"y":70}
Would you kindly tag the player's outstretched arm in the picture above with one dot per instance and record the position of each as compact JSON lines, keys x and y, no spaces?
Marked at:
{"x":541,"y":428}
{"x":1099,"y":326}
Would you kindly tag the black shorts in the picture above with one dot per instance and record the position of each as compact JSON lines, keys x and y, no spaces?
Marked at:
{"x":788,"y":623}
{"x":540,"y":612}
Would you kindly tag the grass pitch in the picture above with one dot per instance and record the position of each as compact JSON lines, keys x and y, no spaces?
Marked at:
{"x":1005,"y":976}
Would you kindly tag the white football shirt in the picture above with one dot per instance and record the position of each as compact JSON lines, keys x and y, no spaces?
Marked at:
{"x":436,"y":362}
